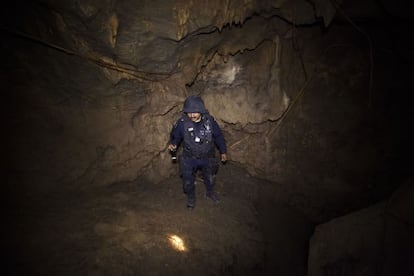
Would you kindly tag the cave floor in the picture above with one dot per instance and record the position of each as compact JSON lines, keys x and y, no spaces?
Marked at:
{"x":134,"y":228}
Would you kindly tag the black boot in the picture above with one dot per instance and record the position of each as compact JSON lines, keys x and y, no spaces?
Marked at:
{"x":190,"y":202}
{"x":213,"y":196}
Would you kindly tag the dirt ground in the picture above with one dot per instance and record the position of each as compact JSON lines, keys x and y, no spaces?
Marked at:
{"x":132,"y":228}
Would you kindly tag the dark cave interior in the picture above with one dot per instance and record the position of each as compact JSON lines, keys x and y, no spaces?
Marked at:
{"x":314,"y":99}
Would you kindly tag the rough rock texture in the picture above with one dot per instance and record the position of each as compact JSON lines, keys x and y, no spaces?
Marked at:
{"x":373,"y":241}
{"x":113,"y":77}
{"x":95,"y":89}
{"x":308,"y":100}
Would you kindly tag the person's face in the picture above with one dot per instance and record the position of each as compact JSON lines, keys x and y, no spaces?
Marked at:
{"x":194,"y":116}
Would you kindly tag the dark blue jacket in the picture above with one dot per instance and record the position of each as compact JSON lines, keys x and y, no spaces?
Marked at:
{"x":199,"y":139}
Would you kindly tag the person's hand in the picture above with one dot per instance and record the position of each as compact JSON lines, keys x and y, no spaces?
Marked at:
{"x":172,"y":147}
{"x":223,"y":157}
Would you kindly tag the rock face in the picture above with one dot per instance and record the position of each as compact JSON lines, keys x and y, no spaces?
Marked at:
{"x":373,"y":241}
{"x":349,"y":245}
{"x":93,"y":89}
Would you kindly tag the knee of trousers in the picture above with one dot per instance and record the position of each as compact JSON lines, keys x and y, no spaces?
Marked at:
{"x":188,"y":186}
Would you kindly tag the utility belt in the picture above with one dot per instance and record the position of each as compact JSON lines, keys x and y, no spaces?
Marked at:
{"x":201,"y":154}
{"x":208,"y":156}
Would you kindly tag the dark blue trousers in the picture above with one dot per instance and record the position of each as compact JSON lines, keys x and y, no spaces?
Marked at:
{"x":189,"y":168}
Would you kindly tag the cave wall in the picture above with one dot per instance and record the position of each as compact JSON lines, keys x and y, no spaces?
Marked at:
{"x":373,"y":241}
{"x":94,"y":88}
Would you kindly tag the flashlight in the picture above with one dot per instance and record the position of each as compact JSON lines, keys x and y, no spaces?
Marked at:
{"x":173,"y":156}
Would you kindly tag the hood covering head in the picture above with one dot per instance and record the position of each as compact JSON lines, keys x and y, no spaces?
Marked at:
{"x":194,"y":104}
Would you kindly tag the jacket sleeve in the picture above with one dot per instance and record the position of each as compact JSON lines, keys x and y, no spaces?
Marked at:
{"x":218,"y":137}
{"x":177,"y":133}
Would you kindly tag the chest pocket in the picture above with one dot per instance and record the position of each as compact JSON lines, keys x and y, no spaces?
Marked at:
{"x":198,"y":139}
{"x":200,"y":135}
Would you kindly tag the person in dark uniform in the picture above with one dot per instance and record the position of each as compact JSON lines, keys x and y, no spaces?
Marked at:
{"x":200,"y":134}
